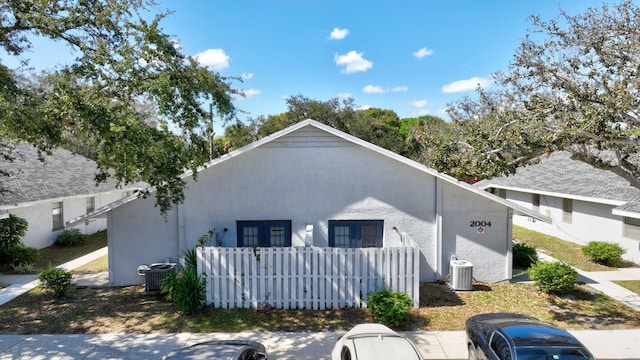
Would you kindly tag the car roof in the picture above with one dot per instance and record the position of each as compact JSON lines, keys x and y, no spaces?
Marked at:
{"x":384,"y":347}
{"x":527,"y":331}
{"x":369,"y":329}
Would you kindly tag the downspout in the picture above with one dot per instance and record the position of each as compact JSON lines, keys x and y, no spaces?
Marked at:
{"x":110,"y":259}
{"x":181,"y":242}
{"x":438,"y":232}
{"x":509,"y":262}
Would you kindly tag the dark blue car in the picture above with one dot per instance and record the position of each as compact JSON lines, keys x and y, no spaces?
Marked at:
{"x":507,"y":336}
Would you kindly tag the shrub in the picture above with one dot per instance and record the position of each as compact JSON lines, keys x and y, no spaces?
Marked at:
{"x":70,"y":238}
{"x":19,"y":254}
{"x":553,"y":277}
{"x":189,"y":290}
{"x":389,"y":307}
{"x":12,"y":229}
{"x":168,"y":284}
{"x":524,"y":255}
{"x":185,"y":286}
{"x":56,"y":279}
{"x":603,"y":252}
{"x":24,"y":268}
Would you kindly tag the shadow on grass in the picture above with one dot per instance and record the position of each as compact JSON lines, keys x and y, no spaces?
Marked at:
{"x":438,"y":294}
{"x":595,"y":311}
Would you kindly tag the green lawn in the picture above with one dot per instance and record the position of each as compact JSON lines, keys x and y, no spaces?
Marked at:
{"x":562,"y":250}
{"x":57,"y":255}
{"x":633,"y":285}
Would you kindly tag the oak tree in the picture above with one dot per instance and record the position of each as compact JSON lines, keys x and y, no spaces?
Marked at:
{"x":130,"y":90}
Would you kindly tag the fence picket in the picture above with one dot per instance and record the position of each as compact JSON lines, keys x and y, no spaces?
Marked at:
{"x":307,"y":277}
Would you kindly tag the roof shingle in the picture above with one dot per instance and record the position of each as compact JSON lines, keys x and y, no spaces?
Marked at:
{"x":62,"y":174}
{"x":561,"y":174}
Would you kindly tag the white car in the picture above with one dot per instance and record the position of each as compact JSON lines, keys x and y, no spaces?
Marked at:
{"x":374,"y":341}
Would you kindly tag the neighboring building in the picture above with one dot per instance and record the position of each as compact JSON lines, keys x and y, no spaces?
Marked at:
{"x":48,"y":194}
{"x":585,"y":203}
{"x":312,"y":185}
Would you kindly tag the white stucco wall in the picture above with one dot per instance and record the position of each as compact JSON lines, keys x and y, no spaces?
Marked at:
{"x":309,"y":177}
{"x":478,"y":231}
{"x":590,"y":221}
{"x":40,"y":233}
{"x":138,"y":234}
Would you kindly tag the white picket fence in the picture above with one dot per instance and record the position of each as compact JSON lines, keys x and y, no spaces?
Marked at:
{"x":307,"y":277}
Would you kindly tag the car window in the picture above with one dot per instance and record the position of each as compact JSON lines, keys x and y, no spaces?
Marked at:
{"x":248,"y":354}
{"x":500,"y":346}
{"x":345,"y":354}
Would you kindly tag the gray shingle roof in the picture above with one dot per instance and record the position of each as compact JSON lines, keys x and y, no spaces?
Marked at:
{"x":63,"y":174}
{"x":560,"y":174}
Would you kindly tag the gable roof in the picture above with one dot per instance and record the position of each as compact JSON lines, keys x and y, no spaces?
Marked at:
{"x":560,"y":175}
{"x":63,"y":174}
{"x":349,"y":138}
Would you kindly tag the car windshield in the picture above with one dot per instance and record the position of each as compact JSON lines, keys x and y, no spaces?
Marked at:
{"x":552,"y":353}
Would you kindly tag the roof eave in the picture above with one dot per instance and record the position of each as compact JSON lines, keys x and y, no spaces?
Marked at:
{"x":558,"y":195}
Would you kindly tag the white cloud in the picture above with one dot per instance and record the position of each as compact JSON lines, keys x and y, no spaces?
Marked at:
{"x":249,"y":93}
{"x":419,"y":103}
{"x":246,"y":76}
{"x":352,"y":62}
{"x":216,"y":59}
{"x":466,"y":85}
{"x":400,"y":88}
{"x":364,"y":107}
{"x":422,"y":53}
{"x":374,"y":89}
{"x":339,"y":34}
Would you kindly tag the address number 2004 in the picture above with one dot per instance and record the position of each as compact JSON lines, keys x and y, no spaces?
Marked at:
{"x":476,"y":223}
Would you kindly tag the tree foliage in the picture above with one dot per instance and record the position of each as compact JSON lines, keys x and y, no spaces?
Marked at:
{"x":378,"y":126}
{"x":572,"y":84}
{"x":130,"y":92}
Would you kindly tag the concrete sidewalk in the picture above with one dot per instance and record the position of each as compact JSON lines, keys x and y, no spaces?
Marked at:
{"x":614,"y":344}
{"x":20,"y":284}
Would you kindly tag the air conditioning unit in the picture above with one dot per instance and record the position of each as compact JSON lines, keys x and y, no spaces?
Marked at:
{"x":461,"y":274}
{"x":153,"y":275}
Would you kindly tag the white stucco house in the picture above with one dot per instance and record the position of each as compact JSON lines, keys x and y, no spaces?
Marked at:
{"x":51,"y":192}
{"x":312,"y":185}
{"x":585,"y":203}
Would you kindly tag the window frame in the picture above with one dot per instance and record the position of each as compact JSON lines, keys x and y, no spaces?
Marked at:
{"x":263,"y":226}
{"x":567,"y":210}
{"x":355,"y":232}
{"x":57,"y":218}
{"x":91,"y":204}
{"x":535,"y":202}
{"x":631,"y":228}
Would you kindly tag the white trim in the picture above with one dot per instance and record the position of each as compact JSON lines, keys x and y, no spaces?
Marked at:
{"x":558,"y":195}
{"x":626,"y":213}
{"x":100,"y":211}
{"x":71,"y":197}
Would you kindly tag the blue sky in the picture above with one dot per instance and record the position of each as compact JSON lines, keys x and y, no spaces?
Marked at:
{"x":413,"y":57}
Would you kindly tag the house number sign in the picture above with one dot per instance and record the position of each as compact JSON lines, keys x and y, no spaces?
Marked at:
{"x":476,"y":223}
{"x":480,"y":225}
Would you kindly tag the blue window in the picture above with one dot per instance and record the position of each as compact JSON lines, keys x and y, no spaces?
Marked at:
{"x":264,"y":233}
{"x":355,"y":233}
